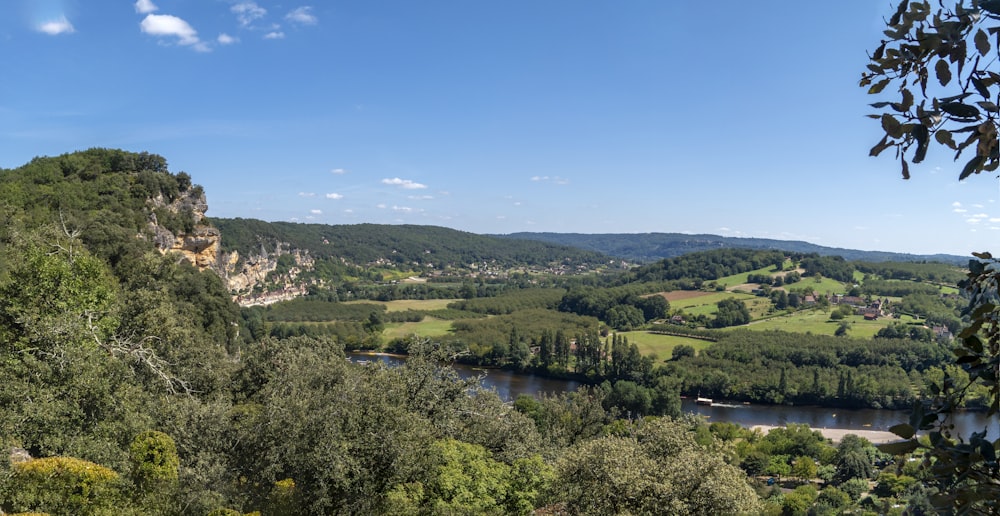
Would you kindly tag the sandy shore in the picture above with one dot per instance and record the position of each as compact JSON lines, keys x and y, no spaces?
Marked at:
{"x":836,"y":434}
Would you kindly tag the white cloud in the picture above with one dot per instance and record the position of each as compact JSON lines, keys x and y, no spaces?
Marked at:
{"x":404,"y":209}
{"x":302,"y":16}
{"x":226,"y":39}
{"x":145,"y":6}
{"x":404,"y":183}
{"x":380,"y":206}
{"x":334,"y":196}
{"x":59,"y":26}
{"x":981,"y":216}
{"x":994,"y":219}
{"x":956,"y":204}
{"x":348,"y":210}
{"x":307,"y":194}
{"x":338,"y":171}
{"x":960,"y":210}
{"x":247,"y":12}
{"x":275,"y":35}
{"x":316,"y":212}
{"x":978,"y":206}
{"x":553,"y":179}
{"x":420,"y":197}
{"x":172,"y":26}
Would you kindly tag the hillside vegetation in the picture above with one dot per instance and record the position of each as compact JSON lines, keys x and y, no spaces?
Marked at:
{"x":134,"y":384}
{"x":649,"y":247}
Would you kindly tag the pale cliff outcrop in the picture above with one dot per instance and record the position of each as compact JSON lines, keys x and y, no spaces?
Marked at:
{"x":201,"y":245}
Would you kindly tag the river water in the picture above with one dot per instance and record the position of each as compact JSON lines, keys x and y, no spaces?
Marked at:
{"x":509,"y":385}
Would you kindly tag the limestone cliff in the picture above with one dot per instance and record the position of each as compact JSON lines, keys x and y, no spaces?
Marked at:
{"x":251,"y":279}
{"x":185,"y":232}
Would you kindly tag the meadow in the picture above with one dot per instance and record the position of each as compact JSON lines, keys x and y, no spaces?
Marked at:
{"x":661,"y":345}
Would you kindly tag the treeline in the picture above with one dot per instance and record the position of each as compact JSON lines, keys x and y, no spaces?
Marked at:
{"x":622,"y":308}
{"x":931,"y":272}
{"x":509,"y":301}
{"x":696,"y":268}
{"x":779,"y":367}
{"x":401,"y":245}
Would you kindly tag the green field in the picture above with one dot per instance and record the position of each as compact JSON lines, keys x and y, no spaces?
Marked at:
{"x":706,"y":305}
{"x":818,"y":322}
{"x":429,"y":327}
{"x":661,"y":345}
{"x":739,"y":279}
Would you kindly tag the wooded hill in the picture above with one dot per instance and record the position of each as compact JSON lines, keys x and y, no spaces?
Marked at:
{"x":419,"y":247}
{"x":132,"y":384}
{"x":648,"y":247}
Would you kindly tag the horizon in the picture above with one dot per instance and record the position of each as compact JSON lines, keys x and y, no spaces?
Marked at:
{"x":735,"y":120}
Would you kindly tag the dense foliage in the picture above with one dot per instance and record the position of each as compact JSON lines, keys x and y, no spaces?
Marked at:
{"x":411,"y":246}
{"x":651,"y":247}
{"x":133,"y":384}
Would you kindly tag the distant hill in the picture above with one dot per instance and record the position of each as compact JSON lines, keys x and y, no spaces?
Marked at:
{"x":401,"y":245}
{"x":649,"y":247}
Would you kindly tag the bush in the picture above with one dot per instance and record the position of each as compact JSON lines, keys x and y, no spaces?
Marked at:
{"x":63,"y":485}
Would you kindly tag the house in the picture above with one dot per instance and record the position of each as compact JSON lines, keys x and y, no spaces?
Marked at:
{"x":942,"y":332}
{"x":677,"y":319}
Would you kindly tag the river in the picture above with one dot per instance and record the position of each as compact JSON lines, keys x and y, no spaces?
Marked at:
{"x":510,"y":384}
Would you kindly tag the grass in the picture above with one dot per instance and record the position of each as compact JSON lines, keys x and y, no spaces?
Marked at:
{"x":739,"y":279}
{"x":429,"y":327}
{"x":706,"y":305}
{"x":661,"y":345}
{"x":818,"y":322}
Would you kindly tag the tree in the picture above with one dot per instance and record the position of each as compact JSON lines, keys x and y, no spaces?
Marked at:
{"x":731,"y":312}
{"x":958,"y":48}
{"x":804,"y":468}
{"x":616,"y":475}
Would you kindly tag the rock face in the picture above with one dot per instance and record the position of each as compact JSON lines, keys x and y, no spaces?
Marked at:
{"x":200,"y":247}
{"x":247,"y":278}
{"x":201,"y":244}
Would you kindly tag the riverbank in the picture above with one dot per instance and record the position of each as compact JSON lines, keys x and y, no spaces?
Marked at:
{"x":837,"y":434}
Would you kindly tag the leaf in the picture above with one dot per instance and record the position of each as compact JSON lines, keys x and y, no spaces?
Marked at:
{"x":987,"y":451}
{"x":944,"y":138}
{"x":879,"y":52}
{"x":960,"y":110}
{"x":881,"y":146}
{"x":903,"y":430}
{"x":879,"y":105}
{"x":987,"y":105}
{"x":907,"y":99}
{"x":906,"y":169}
{"x":972,"y":166}
{"x":899,"y":13}
{"x":891,"y":126}
{"x":981,"y":87}
{"x":919,"y":133}
{"x":992,"y":6}
{"x":943,"y":71}
{"x":898,"y":448}
{"x":982,"y":43}
{"x":879,"y":86}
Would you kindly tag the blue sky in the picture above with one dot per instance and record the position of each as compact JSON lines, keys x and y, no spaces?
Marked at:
{"x":736,"y":118}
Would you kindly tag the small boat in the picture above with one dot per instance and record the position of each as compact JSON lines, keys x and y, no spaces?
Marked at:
{"x":703,"y":401}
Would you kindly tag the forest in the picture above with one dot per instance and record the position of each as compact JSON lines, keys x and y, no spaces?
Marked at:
{"x":135,"y":385}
